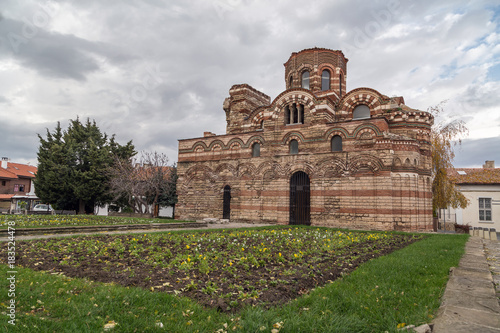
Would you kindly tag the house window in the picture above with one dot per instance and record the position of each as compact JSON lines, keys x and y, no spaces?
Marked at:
{"x":305,"y":80}
{"x":294,"y":114}
{"x":4,"y":182}
{"x":325,"y":80}
{"x":21,"y":188}
{"x":16,"y":188}
{"x":337,"y":143}
{"x":360,"y":112}
{"x":484,"y":209}
{"x":256,"y":150}
{"x":294,"y":147}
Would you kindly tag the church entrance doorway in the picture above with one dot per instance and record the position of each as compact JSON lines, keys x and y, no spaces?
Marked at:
{"x":300,"y":199}
{"x":226,"y":204}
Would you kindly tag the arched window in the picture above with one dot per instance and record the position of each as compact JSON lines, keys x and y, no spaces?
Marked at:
{"x":340,"y":86}
{"x":305,"y":80}
{"x":294,"y":114}
{"x":290,"y":82}
{"x":256,"y":150}
{"x":360,"y":112}
{"x":294,"y":147}
{"x":337,"y":143}
{"x":325,"y":80}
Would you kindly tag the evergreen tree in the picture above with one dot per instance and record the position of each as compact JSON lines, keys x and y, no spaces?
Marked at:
{"x":72,"y":166}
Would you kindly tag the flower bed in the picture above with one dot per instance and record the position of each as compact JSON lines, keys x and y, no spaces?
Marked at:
{"x":222,"y":269}
{"x":30,"y":221}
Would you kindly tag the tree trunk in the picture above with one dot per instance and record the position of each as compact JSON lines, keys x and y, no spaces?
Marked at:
{"x":81,"y":206}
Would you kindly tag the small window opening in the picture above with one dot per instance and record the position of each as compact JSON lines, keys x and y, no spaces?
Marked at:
{"x":256,"y":150}
{"x":337,"y":143}
{"x":325,"y":80}
{"x":305,"y":80}
{"x":361,"y":112}
{"x":340,"y":86}
{"x":294,"y":147}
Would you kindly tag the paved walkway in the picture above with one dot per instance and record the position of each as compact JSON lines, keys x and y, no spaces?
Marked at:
{"x":470,"y":302}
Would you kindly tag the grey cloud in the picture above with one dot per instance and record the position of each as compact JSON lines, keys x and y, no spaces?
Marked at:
{"x":203,"y":48}
{"x":477,"y":96}
{"x":473,"y":153}
{"x":55,"y":55}
{"x":19,"y":141}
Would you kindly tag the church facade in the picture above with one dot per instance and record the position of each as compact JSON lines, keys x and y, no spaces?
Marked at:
{"x":315,"y":155}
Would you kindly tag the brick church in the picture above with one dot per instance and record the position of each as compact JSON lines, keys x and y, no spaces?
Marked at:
{"x":315,"y":155}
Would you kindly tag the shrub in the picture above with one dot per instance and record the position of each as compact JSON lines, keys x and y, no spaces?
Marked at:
{"x":462,"y":228}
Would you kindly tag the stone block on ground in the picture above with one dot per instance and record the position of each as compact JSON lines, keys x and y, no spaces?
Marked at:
{"x":210,"y":220}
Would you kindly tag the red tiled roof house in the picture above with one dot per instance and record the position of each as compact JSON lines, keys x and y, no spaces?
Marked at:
{"x":16,"y":185}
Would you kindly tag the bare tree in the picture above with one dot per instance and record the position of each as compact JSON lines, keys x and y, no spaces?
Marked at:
{"x":141,"y":182}
{"x":445,"y":135}
{"x":155,"y":177}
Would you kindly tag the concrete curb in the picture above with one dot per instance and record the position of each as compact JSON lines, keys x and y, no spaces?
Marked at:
{"x":469,"y":303}
{"x":102,"y":228}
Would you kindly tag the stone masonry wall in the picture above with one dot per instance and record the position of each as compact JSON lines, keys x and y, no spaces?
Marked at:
{"x":379,"y":179}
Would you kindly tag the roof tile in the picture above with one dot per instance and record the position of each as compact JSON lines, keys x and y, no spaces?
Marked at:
{"x":475,"y":175}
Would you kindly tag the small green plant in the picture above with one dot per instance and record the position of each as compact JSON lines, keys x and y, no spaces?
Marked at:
{"x":191,"y":285}
{"x":210,"y":288}
{"x":204,"y":267}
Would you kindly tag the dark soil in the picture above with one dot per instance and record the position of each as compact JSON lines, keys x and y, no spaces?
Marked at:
{"x":225,"y":288}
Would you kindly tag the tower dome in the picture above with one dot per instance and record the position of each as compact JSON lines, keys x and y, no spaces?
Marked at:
{"x":320,"y":70}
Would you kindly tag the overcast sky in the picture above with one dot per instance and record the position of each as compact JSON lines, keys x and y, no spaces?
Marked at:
{"x":157,"y":71}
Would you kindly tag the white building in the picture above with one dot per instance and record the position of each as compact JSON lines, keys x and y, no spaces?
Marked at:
{"x":482,"y":187}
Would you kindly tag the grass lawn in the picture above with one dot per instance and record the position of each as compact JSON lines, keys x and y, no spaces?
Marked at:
{"x":36,"y":221}
{"x":150,"y":282}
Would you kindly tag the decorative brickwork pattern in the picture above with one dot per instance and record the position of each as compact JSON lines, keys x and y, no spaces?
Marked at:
{"x":380,"y":179}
